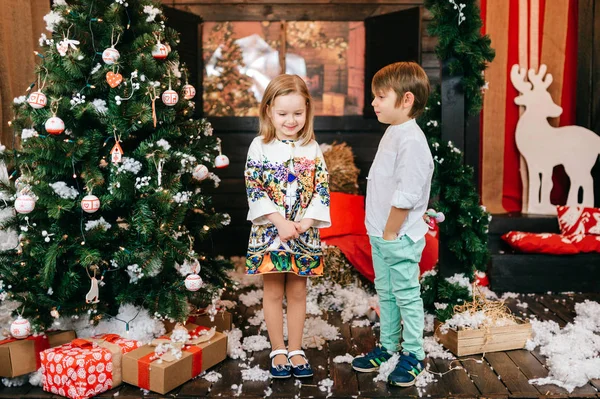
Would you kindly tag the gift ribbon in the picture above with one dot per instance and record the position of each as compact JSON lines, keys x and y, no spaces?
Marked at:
{"x":145,"y":361}
{"x":40,"y":343}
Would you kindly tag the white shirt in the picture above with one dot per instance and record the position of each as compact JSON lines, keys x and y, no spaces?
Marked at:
{"x":400,"y":176}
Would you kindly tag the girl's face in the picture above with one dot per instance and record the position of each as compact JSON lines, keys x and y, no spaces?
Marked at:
{"x":288,"y":115}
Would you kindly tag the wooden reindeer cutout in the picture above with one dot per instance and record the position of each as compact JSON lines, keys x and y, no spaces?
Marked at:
{"x":544,"y":146}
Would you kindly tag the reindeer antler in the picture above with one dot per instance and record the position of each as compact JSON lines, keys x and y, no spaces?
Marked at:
{"x":517,"y":77}
{"x":537,"y":80}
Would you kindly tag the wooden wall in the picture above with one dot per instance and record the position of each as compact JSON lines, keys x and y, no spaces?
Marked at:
{"x":361,"y":134}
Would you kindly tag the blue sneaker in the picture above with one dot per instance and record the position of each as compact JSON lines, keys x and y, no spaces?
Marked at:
{"x":280,"y":370}
{"x":301,"y":370}
{"x":406,"y":371}
{"x":372,"y":360}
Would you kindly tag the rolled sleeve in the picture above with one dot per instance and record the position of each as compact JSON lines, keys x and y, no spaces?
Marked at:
{"x":412,"y":173}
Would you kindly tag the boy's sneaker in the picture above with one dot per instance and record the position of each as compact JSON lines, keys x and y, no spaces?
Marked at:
{"x":406,"y":371}
{"x":372,"y":360}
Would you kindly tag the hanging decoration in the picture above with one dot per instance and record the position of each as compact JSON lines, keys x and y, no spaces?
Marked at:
{"x":189,"y":91}
{"x":200,"y":172}
{"x":20,"y":328}
{"x":37,"y":99}
{"x":170,"y":97}
{"x":24,"y":204}
{"x":55,"y":125}
{"x":221,"y":161}
{"x":111,"y":55}
{"x":93,"y":294}
{"x":160,"y":51}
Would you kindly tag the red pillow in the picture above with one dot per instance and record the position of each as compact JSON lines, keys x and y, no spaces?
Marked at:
{"x":347,"y":215}
{"x":543,"y":243}
{"x":578,"y":220}
{"x":586,"y":243}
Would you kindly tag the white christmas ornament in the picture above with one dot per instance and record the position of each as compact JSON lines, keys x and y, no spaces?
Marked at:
{"x":160,"y":51}
{"x":544,"y":146}
{"x":24,"y":204}
{"x":37,"y":100}
{"x":20,"y":328}
{"x":221,"y":161}
{"x":55,"y":125}
{"x":193,"y":282}
{"x":110,"y":55}
{"x":170,"y":97}
{"x":90,"y":203}
{"x":200,"y":172}
{"x":189,"y":92}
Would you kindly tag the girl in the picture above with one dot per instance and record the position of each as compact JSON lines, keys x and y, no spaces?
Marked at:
{"x":288,"y":196}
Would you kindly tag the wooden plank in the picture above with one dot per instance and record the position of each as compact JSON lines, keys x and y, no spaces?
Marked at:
{"x":484,"y":378}
{"x":290,"y":12}
{"x":14,"y":392}
{"x":319,"y":361}
{"x":39,"y":393}
{"x":532,"y":368}
{"x":198,"y":387}
{"x":261,"y":358}
{"x":553,"y":303}
{"x":516,"y":382}
{"x":363,"y":342}
{"x":436,"y":389}
{"x":345,"y":382}
{"x":457,"y":382}
{"x":540,"y":311}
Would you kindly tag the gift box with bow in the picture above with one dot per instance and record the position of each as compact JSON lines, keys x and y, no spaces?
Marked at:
{"x":85,"y":367}
{"x":170,"y":361}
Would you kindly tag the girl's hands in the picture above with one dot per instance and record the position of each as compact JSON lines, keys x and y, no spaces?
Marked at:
{"x":304,"y":225}
{"x":287,"y":230}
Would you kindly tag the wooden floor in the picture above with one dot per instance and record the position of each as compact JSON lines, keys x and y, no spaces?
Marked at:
{"x":501,"y":375}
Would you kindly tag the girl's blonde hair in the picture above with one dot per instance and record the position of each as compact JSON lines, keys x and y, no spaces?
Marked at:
{"x":280,"y":86}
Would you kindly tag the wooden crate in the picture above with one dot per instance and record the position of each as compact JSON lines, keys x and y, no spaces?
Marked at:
{"x":495,"y":339}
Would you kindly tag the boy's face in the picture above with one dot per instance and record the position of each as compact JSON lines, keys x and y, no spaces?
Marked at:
{"x":288,"y":115}
{"x":385,"y":108}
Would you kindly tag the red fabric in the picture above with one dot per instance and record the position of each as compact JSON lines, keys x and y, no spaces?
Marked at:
{"x":347,"y":215}
{"x":544,"y":243}
{"x":576,"y":220}
{"x":586,"y":243}
{"x":40,"y":343}
{"x":357,"y":249}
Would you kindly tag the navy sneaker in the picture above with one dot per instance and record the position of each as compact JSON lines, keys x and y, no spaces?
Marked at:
{"x":301,"y":370}
{"x":280,"y":370}
{"x":406,"y":371}
{"x":372,"y":360}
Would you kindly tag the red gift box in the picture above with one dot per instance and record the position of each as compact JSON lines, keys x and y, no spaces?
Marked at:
{"x":85,"y":367}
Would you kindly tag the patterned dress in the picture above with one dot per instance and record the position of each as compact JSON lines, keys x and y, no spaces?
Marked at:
{"x":291,"y":179}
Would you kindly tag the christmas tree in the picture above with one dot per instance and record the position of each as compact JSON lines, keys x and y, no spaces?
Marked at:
{"x":228,"y":92}
{"x":107,"y":182}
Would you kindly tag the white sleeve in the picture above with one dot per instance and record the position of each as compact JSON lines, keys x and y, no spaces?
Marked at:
{"x":318,"y":208}
{"x":258,"y":200}
{"x":411,"y":172}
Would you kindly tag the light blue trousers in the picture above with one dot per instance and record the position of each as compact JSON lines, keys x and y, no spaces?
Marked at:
{"x":396,"y":266}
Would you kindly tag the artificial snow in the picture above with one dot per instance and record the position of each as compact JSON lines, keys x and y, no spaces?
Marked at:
{"x":386,"y":368}
{"x":255,"y":343}
{"x":361,"y":323}
{"x":64,"y":191}
{"x":142,"y":326}
{"x":255,"y":374}
{"x":15,"y":381}
{"x":347,"y":358}
{"x":468,"y":320}
{"x":213,"y":376}
{"x":435,"y":350}
{"x":234,"y":346}
{"x":251,"y":298}
{"x":571,"y":352}
{"x":325,"y":386}
{"x":317,"y":332}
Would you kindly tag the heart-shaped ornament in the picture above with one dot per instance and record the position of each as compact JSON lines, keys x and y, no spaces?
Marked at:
{"x":114,"y":79}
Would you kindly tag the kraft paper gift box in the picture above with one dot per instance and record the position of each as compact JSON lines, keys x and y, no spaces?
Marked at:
{"x":222,"y":320}
{"x":22,"y":356}
{"x":85,"y":367}
{"x":162,"y":372}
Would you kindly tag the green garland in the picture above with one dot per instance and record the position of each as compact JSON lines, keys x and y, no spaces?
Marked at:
{"x":457,"y":24}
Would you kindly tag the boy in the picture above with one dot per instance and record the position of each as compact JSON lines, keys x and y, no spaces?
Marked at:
{"x":397,"y":197}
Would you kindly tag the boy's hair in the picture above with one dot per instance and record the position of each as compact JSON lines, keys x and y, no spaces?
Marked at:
{"x":280,"y":86}
{"x":403,"y":77}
